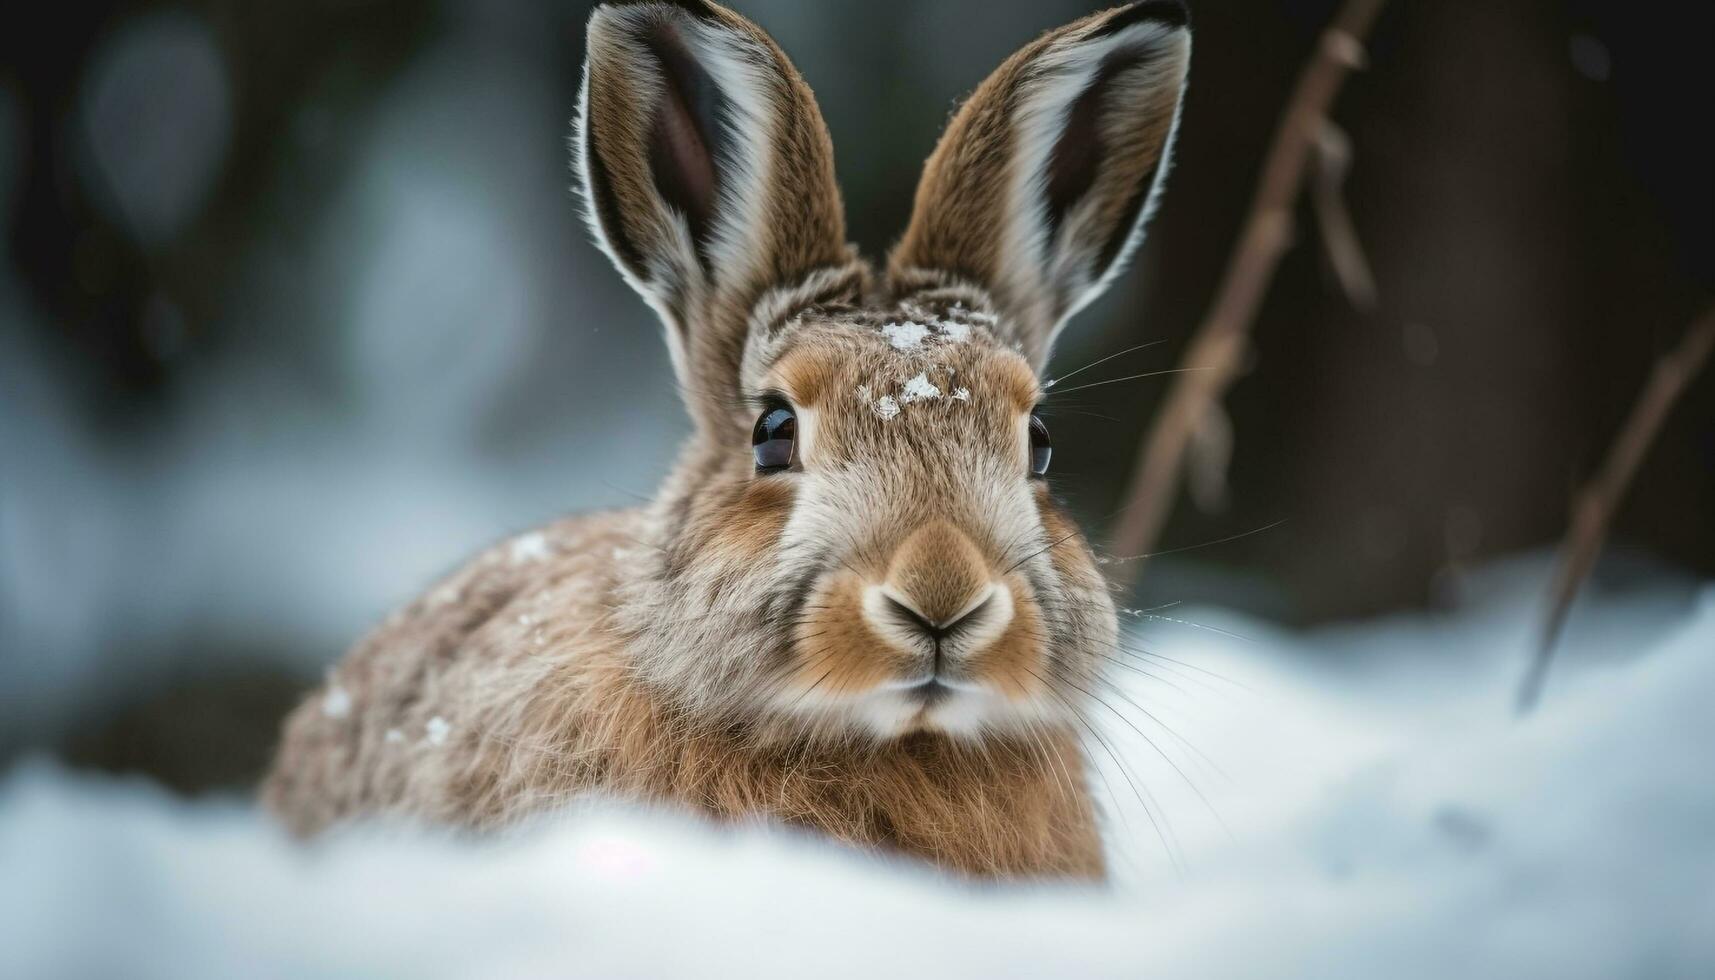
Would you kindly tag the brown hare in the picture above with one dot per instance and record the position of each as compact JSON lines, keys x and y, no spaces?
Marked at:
{"x":854,"y":605}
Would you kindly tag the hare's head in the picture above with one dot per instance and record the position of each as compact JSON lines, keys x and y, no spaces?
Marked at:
{"x":860,"y":539}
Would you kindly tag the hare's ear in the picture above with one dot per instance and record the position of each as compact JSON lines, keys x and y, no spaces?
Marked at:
{"x":706,"y":171}
{"x":1039,"y":190}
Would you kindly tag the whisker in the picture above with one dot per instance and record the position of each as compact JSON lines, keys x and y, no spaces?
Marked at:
{"x":1133,"y":377}
{"x":1057,"y":542}
{"x":1062,"y":410}
{"x":1145,"y":652}
{"x":1194,"y":547}
{"x":1182,"y":740}
{"x":1101,"y":774}
{"x":1051,"y":382}
{"x":1142,"y":614}
{"x":1117,"y":662}
{"x":1150,"y":742}
{"x":1143,"y":798}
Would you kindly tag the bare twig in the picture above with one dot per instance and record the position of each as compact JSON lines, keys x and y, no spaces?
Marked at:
{"x":1339,"y":231}
{"x":1209,"y":456}
{"x":1594,"y":506}
{"x":1218,"y":349}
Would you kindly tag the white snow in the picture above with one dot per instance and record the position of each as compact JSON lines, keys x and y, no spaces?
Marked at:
{"x":919,"y":389}
{"x":436,"y":731}
{"x":887,"y":407}
{"x":1385,"y":816}
{"x":910,"y":335}
{"x":905,"y":336}
{"x":529,"y":548}
{"x":336,"y":703}
{"x":962,"y":394}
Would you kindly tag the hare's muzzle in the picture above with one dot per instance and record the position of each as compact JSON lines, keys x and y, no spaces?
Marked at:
{"x":940,"y":605}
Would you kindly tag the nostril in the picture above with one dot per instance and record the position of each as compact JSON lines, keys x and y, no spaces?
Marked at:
{"x":939,"y":572}
{"x":912,"y":616}
{"x":939,"y":630}
{"x":901,"y":622}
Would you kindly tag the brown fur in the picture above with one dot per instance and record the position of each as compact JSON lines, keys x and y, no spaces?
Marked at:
{"x":561,"y":716}
{"x":750,"y":644}
{"x":953,"y":234}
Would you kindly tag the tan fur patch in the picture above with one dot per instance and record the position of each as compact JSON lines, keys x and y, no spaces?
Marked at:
{"x":938,"y":570}
{"x":1014,"y":663}
{"x":807,"y":374}
{"x":838,"y":652}
{"x":752,"y":522}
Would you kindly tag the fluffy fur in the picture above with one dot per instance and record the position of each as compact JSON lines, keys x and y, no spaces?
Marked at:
{"x":889,"y":642}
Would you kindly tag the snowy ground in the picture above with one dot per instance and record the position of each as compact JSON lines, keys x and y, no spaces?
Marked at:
{"x":1384,"y":816}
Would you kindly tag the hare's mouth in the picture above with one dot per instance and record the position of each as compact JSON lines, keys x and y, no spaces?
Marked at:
{"x":929,"y":692}
{"x":894,"y":708}
{"x":965,"y":710}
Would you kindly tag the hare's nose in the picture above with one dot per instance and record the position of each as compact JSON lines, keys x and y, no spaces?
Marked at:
{"x":938,"y":575}
{"x":940,"y":599}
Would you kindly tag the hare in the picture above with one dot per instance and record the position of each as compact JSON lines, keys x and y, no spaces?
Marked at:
{"x":870,"y":618}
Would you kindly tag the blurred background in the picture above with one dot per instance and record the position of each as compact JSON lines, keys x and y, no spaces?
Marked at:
{"x":296,"y":312}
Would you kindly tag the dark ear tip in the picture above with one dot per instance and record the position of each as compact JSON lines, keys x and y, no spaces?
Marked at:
{"x":1172,"y":13}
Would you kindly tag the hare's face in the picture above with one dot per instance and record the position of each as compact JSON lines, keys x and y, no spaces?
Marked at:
{"x":924,"y":578}
{"x":880,"y":555}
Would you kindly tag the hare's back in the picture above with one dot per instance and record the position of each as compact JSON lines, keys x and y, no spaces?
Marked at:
{"x":413,"y":721}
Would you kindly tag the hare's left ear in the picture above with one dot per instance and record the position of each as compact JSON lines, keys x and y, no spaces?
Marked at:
{"x":1039,"y":190}
{"x":708,"y":177}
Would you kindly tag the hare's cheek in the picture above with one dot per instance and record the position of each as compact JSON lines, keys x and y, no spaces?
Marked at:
{"x":1016,"y":664}
{"x":835,"y":653}
{"x":749,"y":525}
{"x":1070,"y":556}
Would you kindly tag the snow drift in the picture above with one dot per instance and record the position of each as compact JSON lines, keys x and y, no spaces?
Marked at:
{"x":1355,"y":802}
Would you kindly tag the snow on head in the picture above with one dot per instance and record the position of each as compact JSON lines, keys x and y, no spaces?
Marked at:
{"x":436,"y":731}
{"x":529,"y":547}
{"x":911,"y":391}
{"x":919,"y":389}
{"x":887,"y":407}
{"x":336,"y":703}
{"x":910,"y":335}
{"x":905,"y":336}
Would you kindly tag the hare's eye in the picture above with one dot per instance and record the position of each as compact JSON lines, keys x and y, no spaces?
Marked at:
{"x":1041,"y":449}
{"x":773,"y":438}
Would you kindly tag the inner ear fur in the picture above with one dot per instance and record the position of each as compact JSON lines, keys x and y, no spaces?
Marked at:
{"x":1039,"y":189}
{"x":707,"y":172}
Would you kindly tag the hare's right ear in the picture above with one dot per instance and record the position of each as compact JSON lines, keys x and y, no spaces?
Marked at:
{"x":707,"y":173}
{"x":1039,"y":190}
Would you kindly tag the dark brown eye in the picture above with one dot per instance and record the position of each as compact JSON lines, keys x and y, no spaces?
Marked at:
{"x":773,"y":438}
{"x":1041,"y":448}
